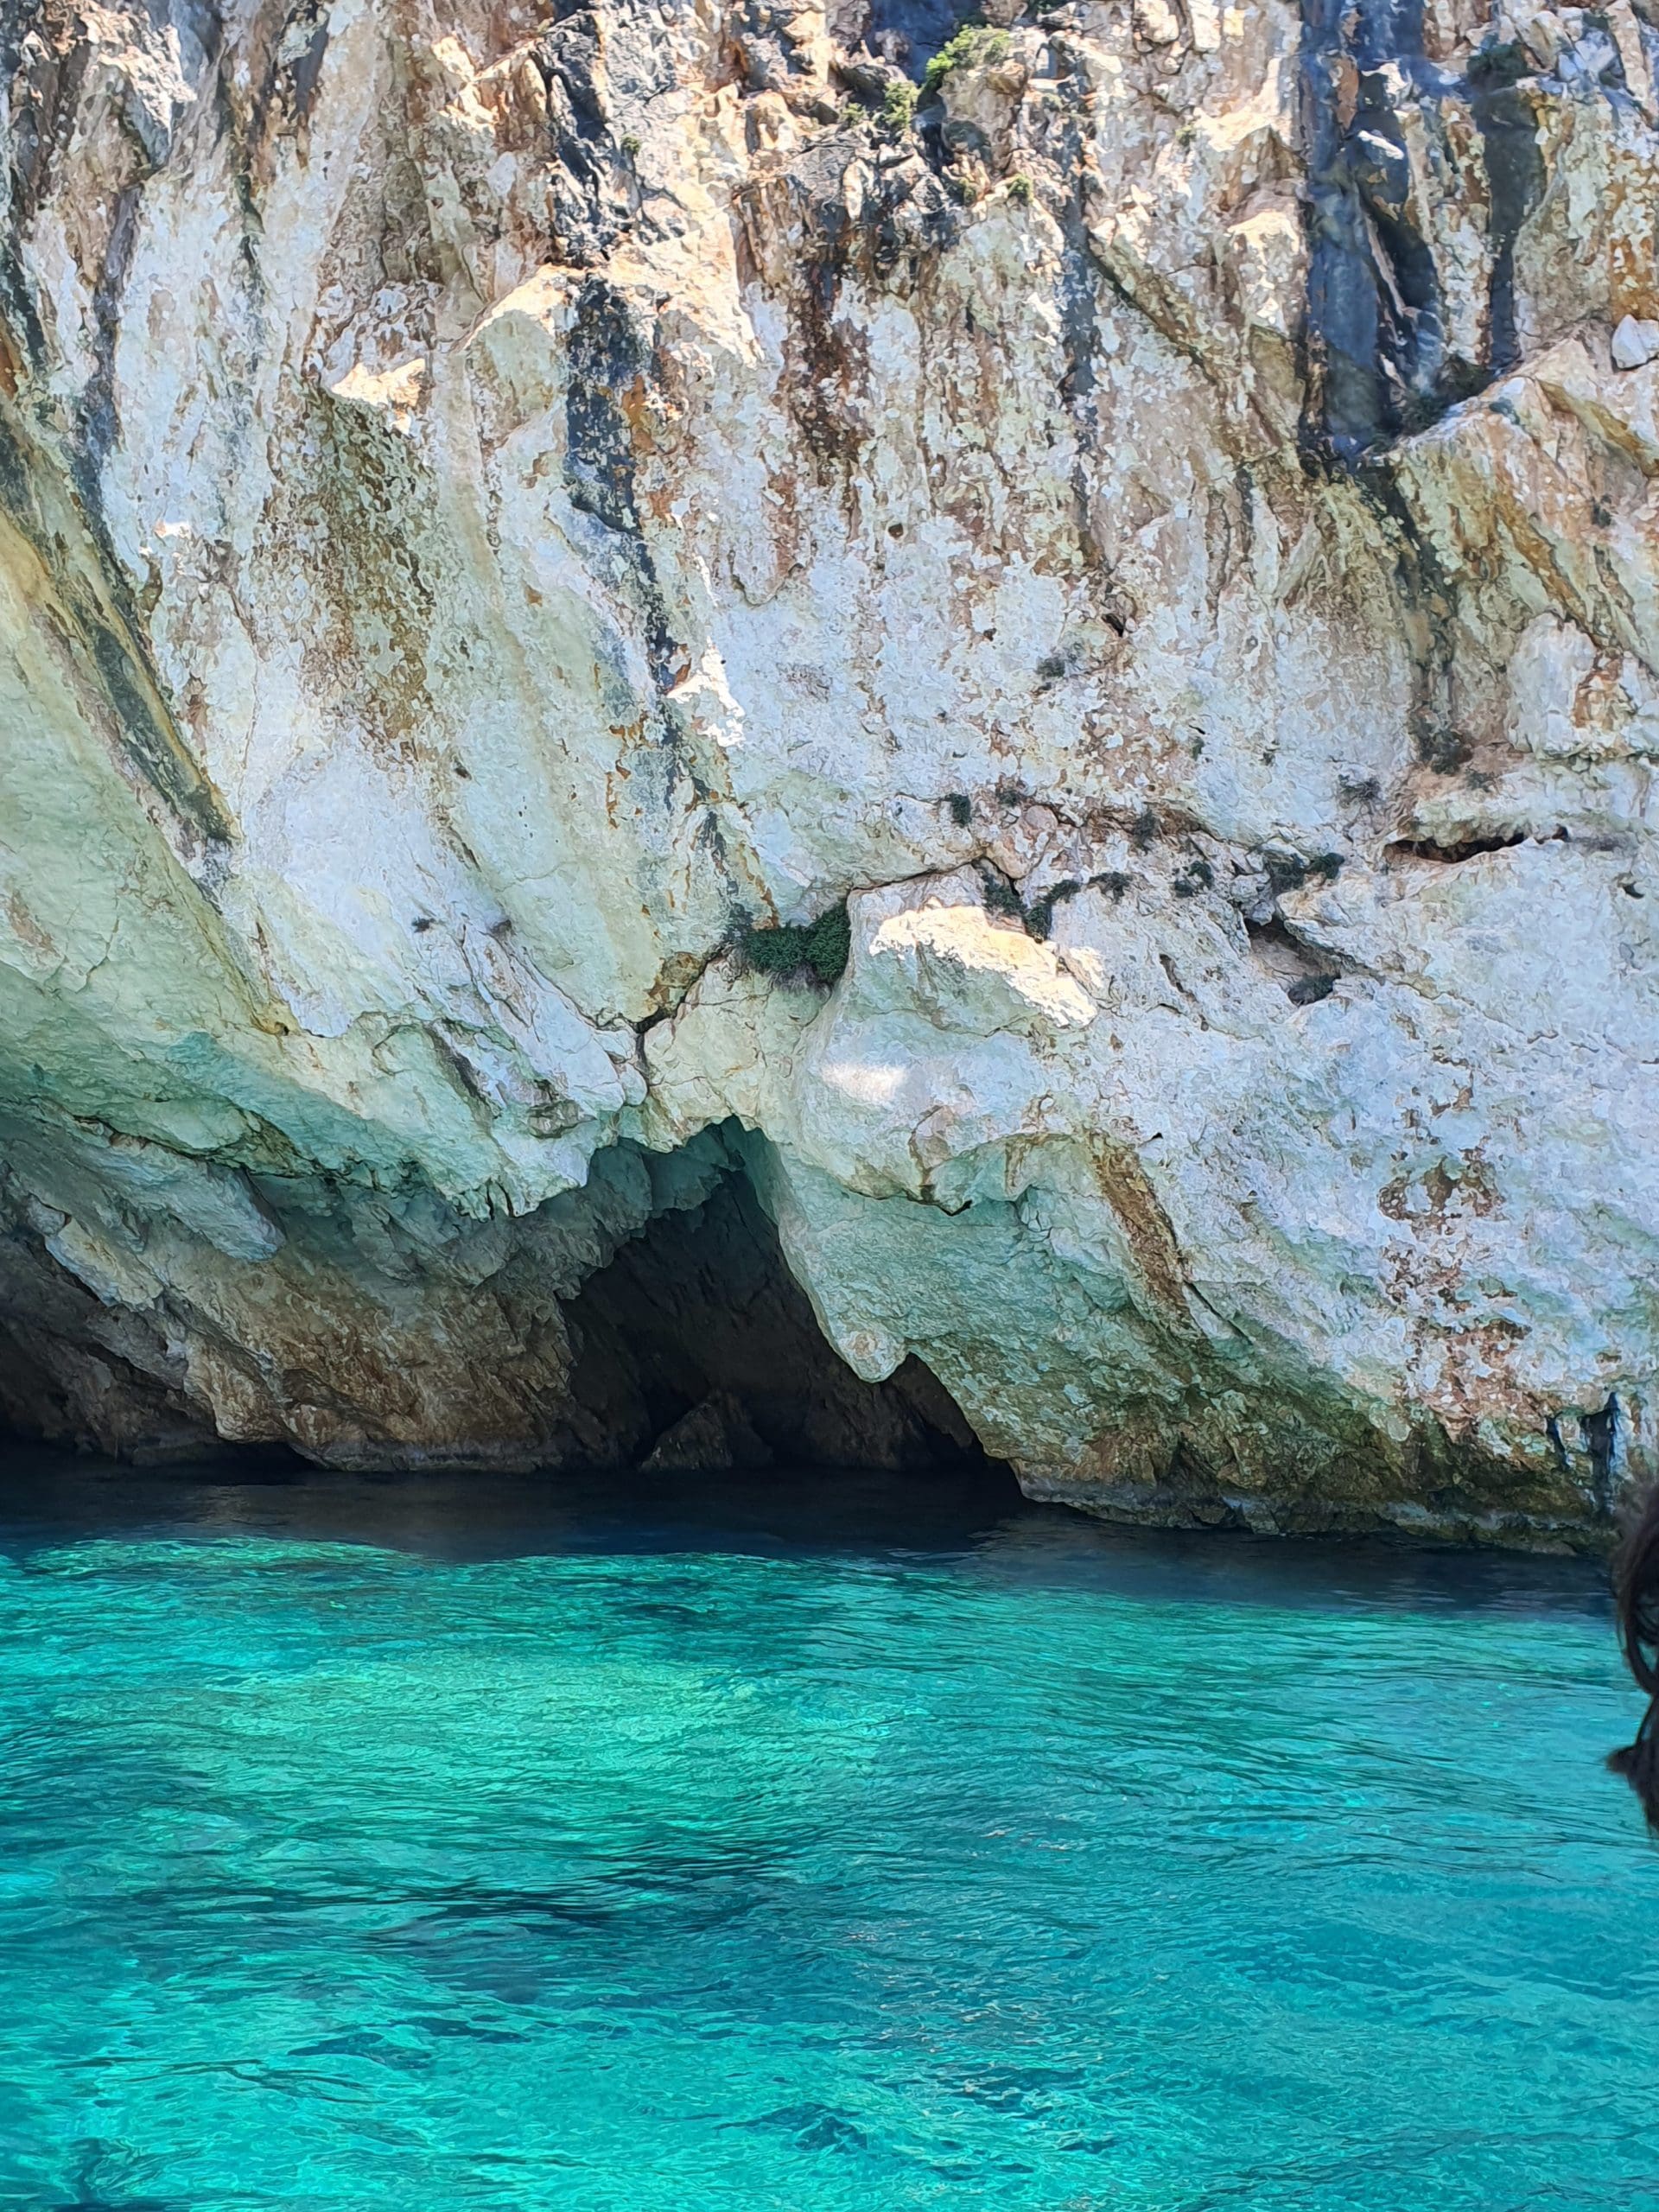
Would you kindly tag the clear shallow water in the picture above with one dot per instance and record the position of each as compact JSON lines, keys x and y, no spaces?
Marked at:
{"x":427,"y":1846}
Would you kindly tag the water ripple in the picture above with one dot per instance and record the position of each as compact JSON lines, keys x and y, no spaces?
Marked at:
{"x":1006,"y":1864}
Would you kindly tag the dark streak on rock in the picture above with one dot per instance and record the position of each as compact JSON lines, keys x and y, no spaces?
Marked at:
{"x":1600,"y":1433}
{"x":824,"y":368}
{"x":16,"y":497}
{"x":97,"y":422}
{"x":92,"y":609}
{"x":1428,"y":603}
{"x":1514,"y":171}
{"x":607,"y":363}
{"x":306,"y":70}
{"x":92,"y":606}
{"x":590,"y":190}
{"x":42,"y":105}
{"x":1378,"y":358}
{"x":1080,"y":295}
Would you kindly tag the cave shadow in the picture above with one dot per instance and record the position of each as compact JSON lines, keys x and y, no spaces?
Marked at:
{"x":706,"y":1409}
{"x":973,"y":1522}
{"x":697,"y":1351}
{"x":719,"y":1418}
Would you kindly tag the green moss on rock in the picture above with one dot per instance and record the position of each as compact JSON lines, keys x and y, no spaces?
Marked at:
{"x":816,"y":952}
{"x":976,"y":43}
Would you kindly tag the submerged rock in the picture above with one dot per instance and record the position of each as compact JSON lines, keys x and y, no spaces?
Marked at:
{"x":1147,"y":509}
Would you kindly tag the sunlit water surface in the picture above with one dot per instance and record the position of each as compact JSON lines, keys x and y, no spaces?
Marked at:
{"x":440,"y":1847}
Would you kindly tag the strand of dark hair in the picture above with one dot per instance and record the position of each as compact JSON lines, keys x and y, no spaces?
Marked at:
{"x":1635,"y":1595}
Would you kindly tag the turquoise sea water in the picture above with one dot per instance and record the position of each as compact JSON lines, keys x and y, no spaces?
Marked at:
{"x":431,"y":1847}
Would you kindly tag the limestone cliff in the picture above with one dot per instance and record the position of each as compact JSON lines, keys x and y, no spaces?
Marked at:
{"x":1148,"y":511}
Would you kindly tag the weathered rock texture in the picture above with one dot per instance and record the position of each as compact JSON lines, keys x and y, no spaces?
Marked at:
{"x":499,"y":503}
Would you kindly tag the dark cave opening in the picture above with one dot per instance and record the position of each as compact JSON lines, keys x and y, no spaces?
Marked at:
{"x":696,"y":1348}
{"x":693,"y":1353}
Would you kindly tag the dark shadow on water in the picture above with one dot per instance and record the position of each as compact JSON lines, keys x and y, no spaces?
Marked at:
{"x":973,"y":1515}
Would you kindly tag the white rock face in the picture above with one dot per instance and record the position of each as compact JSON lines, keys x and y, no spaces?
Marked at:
{"x":497,"y":506}
{"x":1635,"y":344}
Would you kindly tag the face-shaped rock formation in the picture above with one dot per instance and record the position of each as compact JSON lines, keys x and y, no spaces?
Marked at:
{"x":1139,"y":521}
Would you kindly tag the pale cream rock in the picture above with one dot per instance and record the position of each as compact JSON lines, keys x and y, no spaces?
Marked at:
{"x":494,"y":512}
{"x":1635,"y":344}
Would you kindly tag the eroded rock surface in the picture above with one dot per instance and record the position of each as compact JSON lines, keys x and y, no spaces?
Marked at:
{"x":1155,"y":515}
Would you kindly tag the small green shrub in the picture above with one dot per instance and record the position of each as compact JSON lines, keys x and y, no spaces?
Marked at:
{"x":1020,"y":189}
{"x":898,"y":107}
{"x":1289,"y":871}
{"x":962,"y":808}
{"x":630,"y":145}
{"x":1040,"y":915}
{"x":817,"y":952}
{"x":1001,"y":897}
{"x":972,"y":46}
